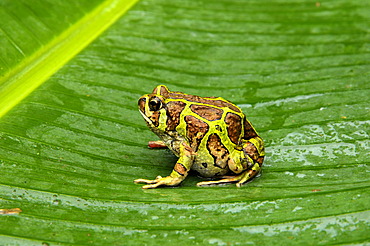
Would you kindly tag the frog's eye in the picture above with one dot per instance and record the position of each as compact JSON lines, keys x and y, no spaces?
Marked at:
{"x":155,"y":104}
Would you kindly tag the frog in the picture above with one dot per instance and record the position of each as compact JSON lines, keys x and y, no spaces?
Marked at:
{"x":209,"y":135}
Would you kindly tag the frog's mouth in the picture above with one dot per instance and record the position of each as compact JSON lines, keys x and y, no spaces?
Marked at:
{"x":146,"y":118}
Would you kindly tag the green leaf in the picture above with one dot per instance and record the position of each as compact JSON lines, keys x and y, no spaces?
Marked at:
{"x":69,"y":151}
{"x":32,"y":59}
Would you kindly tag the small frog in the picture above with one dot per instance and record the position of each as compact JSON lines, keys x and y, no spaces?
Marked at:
{"x":209,"y":135}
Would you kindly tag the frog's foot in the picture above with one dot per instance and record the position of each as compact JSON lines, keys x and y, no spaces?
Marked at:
{"x":159,"y":181}
{"x":156,"y":144}
{"x":239,"y":179}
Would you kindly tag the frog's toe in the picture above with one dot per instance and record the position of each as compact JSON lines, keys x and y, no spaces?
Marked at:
{"x":248,"y":176}
{"x":148,"y":181}
{"x":159,"y":181}
{"x":240,"y":179}
{"x":229,"y":179}
{"x":152,"y":186}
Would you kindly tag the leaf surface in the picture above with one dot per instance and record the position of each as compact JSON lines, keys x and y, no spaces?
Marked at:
{"x":69,"y":151}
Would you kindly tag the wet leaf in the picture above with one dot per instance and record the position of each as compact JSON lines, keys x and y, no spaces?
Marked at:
{"x":69,"y":152}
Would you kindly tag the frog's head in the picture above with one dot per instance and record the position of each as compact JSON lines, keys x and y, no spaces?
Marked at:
{"x":153,"y":107}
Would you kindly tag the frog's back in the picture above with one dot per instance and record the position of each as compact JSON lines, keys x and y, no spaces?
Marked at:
{"x":211,"y":109}
{"x":209,"y":101}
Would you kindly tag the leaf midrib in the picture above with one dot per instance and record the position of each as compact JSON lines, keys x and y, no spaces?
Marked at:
{"x":33,"y":71}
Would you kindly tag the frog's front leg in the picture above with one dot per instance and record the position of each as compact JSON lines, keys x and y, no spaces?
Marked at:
{"x":156,"y":144}
{"x":179,"y":172}
{"x":246,"y":162}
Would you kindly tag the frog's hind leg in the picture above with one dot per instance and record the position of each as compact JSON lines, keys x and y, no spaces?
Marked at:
{"x":245,"y":162}
{"x":238,"y":179}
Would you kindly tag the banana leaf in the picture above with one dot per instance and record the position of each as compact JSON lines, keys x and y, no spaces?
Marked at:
{"x":72,"y":140}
